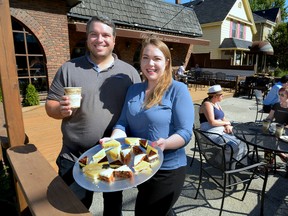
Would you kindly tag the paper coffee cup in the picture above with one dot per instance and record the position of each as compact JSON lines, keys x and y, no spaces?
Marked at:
{"x":74,"y":94}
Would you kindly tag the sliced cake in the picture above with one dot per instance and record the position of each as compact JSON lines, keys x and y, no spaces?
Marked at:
{"x":125,"y":155}
{"x":99,"y":155}
{"x":137,"y":150}
{"x":92,"y":166}
{"x":140,"y":157}
{"x":123,"y":172}
{"x":107,"y":175}
{"x":114,"y":153}
{"x":152,"y":153}
{"x":104,"y":161}
{"x":115,"y":164}
{"x":83,"y":161}
{"x":143,"y":165}
{"x":111,"y":143}
{"x":143,"y":143}
{"x":93,"y":174}
{"x":132,"y":141}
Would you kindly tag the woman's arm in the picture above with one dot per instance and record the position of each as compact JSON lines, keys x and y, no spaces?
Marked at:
{"x":208,"y":111}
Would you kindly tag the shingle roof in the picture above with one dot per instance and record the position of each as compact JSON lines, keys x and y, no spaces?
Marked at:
{"x":270,"y":14}
{"x":143,"y":14}
{"x":235,"y":43}
{"x":212,"y":10}
{"x":258,"y":18}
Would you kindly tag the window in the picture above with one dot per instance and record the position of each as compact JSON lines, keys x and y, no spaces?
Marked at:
{"x":30,"y":59}
{"x":241,"y":31}
{"x":234,"y":29}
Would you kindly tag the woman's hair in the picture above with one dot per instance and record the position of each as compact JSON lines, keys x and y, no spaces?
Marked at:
{"x":165,"y":80}
{"x":208,"y":98}
{"x":283,"y":89}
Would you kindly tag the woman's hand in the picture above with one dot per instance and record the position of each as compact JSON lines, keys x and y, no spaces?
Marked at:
{"x":228,"y":129}
{"x":103,"y":140}
{"x":161,"y":143}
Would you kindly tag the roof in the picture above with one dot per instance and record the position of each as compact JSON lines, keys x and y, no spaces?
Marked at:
{"x":270,"y":14}
{"x":153,"y":15}
{"x":212,"y":11}
{"x":228,"y":43}
{"x":258,"y":18}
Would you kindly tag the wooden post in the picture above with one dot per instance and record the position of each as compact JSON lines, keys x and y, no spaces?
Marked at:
{"x":10,"y":88}
{"x":9,"y":79}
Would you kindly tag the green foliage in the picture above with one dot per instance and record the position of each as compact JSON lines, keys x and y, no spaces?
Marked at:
{"x":279,"y":41}
{"x":31,"y":97}
{"x":257,"y":5}
{"x":279,"y":73}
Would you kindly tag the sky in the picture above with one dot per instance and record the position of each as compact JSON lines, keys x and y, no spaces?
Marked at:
{"x":184,"y":1}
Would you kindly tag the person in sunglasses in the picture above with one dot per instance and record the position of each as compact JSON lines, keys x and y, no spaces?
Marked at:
{"x":279,"y":114}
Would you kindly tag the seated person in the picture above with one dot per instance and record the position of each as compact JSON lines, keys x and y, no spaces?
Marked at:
{"x":212,"y":119}
{"x":180,"y":74}
{"x":279,"y":114}
{"x":272,"y":96}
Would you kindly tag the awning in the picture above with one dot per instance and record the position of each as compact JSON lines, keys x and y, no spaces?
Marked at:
{"x":261,"y":47}
{"x":235,"y":44}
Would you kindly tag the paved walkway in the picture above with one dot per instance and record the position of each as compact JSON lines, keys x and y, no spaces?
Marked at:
{"x":45,"y":133}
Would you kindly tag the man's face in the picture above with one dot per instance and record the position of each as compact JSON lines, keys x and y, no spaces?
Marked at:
{"x":100,"y":41}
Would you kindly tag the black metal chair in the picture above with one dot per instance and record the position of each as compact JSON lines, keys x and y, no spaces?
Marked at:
{"x":219,"y":168}
{"x":259,"y":103}
{"x":195,"y":125}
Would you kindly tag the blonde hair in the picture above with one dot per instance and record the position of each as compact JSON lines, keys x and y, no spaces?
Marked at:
{"x":165,"y":80}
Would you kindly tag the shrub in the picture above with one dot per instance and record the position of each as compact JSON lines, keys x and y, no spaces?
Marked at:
{"x":31,"y":97}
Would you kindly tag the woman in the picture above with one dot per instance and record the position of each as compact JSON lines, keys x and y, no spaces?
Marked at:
{"x":161,"y":110}
{"x":279,"y":114}
{"x":212,"y":119}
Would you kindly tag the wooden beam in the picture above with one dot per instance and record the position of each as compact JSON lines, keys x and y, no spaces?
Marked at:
{"x":9,"y":79}
{"x":137,"y":34}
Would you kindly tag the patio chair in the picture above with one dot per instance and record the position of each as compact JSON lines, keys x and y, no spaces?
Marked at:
{"x":259,"y":103}
{"x":215,"y":164}
{"x":195,"y":125}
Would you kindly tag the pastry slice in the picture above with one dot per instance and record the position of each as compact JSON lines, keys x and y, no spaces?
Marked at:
{"x":111,"y":143}
{"x":137,"y":150}
{"x":140,"y":157}
{"x":92,"y":166}
{"x":114,"y":153}
{"x":107,"y":175}
{"x":152,"y":153}
{"x":104,"y":161}
{"x":83,"y":161}
{"x":143,"y":143}
{"x":143,"y":165}
{"x":99,"y":155}
{"x":132,"y":141}
{"x":125,"y":155}
{"x":115,"y":164}
{"x":93,"y":174}
{"x":123,"y":172}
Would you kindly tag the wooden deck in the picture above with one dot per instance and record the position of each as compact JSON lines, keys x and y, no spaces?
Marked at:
{"x":45,"y":132}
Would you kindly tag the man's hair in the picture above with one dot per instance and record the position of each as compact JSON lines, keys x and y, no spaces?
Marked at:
{"x":102,"y":19}
{"x":284,"y":79}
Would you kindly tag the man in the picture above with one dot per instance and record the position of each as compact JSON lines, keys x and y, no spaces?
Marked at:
{"x":104,"y":80}
{"x":272,"y":96}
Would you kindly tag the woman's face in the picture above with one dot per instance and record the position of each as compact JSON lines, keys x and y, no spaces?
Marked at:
{"x":219,"y":97}
{"x":153,"y":63}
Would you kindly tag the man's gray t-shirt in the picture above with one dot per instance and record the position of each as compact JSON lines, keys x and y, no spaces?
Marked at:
{"x":103,"y":95}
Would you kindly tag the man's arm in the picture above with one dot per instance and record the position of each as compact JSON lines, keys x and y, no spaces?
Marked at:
{"x":58,"y":109}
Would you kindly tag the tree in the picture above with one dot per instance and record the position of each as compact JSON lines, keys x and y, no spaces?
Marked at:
{"x":279,"y":41}
{"x":257,"y":5}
